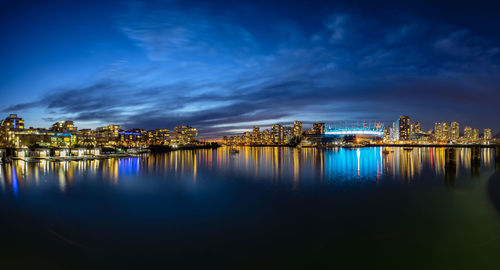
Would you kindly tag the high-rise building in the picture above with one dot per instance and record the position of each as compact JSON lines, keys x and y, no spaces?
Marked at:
{"x":276,"y":134}
{"x":446,"y":131}
{"x":487,"y":134}
{"x":475,"y":134}
{"x":256,"y":136}
{"x":246,"y":137}
{"x":297,"y":129}
{"x":387,"y":134}
{"x":468,"y":135}
{"x":287,"y":134}
{"x":266,"y":136}
{"x":404,"y":127}
{"x":416,"y":128}
{"x":395,"y":131}
{"x":319,"y":128}
{"x":438,"y":131}
{"x":454,"y":131}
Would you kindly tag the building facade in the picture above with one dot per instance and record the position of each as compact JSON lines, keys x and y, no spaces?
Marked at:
{"x":404,"y":127}
{"x":454,"y":131}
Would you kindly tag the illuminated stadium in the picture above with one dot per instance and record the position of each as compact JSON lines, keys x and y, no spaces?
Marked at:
{"x":355,"y":130}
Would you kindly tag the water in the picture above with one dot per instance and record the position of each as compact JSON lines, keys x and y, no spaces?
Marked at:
{"x":262,"y":208}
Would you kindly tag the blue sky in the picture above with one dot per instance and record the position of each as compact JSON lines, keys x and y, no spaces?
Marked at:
{"x":223,"y":66}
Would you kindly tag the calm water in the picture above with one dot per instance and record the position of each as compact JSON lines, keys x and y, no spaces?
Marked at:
{"x":264,"y":207}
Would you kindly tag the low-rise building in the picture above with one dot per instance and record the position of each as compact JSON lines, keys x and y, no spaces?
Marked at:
{"x":108,"y":135}
{"x":184,"y":135}
{"x":64,"y":127}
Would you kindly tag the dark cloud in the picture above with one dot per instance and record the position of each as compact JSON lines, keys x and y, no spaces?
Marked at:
{"x":221,"y":77}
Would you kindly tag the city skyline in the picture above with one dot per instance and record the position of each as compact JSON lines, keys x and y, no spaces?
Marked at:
{"x":148,"y":64}
{"x":403,"y":129}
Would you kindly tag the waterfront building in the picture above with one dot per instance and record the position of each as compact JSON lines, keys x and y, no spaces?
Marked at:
{"x":404,"y":127}
{"x":277,"y":134}
{"x":395,"y":131}
{"x":288,"y":135}
{"x":454,"y":131}
{"x":416,"y":128}
{"x":487,"y":134}
{"x":468,"y":135}
{"x":475,"y":134}
{"x":9,"y":125}
{"x":438,"y":131}
{"x":246,"y":137}
{"x":13,"y":123}
{"x":319,"y":128}
{"x":297,"y":129}
{"x":387,"y":134}
{"x":41,"y":138}
{"x":86,"y":137}
{"x":266,"y":136}
{"x":256,"y":135}
{"x":107,"y":135}
{"x":184,"y":135}
{"x":132,"y":137}
{"x":159,"y":137}
{"x":446,"y":132}
{"x":353,"y":132}
{"x":64,"y":127}
{"x":65,"y":134}
{"x":234,"y":139}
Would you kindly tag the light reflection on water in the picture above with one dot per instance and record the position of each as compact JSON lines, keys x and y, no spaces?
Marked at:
{"x":426,"y":206}
{"x":276,"y":164}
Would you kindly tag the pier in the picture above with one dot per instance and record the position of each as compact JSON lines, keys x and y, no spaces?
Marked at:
{"x":67,"y":154}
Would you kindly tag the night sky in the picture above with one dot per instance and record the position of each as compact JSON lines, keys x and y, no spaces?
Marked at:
{"x":223,"y":66}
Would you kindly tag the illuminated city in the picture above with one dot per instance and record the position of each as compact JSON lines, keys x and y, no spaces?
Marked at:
{"x":195,"y":134}
{"x":363,"y":133}
{"x":67,"y":139}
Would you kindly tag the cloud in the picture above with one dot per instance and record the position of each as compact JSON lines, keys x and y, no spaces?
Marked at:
{"x":336,"y":25}
{"x":170,"y":33}
{"x":218,"y":80}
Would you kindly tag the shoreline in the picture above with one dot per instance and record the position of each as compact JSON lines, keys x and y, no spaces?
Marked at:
{"x":437,"y":145}
{"x":379,"y":145}
{"x":72,"y":158}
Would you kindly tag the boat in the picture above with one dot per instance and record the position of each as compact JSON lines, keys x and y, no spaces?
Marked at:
{"x":385,"y":152}
{"x":353,"y":146}
{"x":408,"y":148}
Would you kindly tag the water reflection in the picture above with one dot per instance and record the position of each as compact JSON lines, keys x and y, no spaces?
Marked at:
{"x":277,"y":165}
{"x":497,"y":159}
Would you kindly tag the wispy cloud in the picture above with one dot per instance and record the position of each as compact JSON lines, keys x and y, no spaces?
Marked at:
{"x":208,"y":71}
{"x":169,"y":32}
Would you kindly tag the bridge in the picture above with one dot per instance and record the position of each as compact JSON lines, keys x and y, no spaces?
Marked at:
{"x":365,"y":129}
